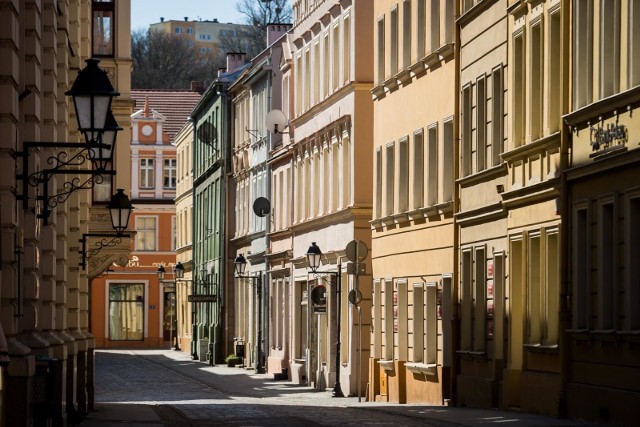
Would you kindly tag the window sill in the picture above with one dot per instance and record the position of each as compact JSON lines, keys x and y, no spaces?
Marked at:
{"x":387,"y":365}
{"x":472,"y":355}
{"x":542,"y":348}
{"x":422,"y":368}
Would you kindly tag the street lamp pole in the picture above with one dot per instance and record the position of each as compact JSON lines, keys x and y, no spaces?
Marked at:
{"x":314,"y":255}
{"x":256,"y":282}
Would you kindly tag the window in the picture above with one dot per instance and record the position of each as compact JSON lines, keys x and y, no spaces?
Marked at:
{"x":418,"y":322}
{"x":174,"y":232}
{"x":189,"y":43}
{"x":403,"y":175}
{"x":432,"y":165}
{"x":389,"y":178}
{"x":346,"y":53}
{"x":146,"y":233}
{"x":434,"y":36}
{"x":189,"y":30}
{"x":479,"y":299}
{"x":481,"y":124}
{"x":447,"y":160}
{"x":393,"y":42}
{"x":553,"y":89}
{"x":418,"y":170}
{"x":466,"y":281}
{"x":169,"y":177}
{"x":608,"y":278}
{"x":103,"y":27}
{"x":583,"y":53}
{"x":449,"y":21}
{"x":406,"y":33}
{"x":634,"y":44}
{"x":178,"y":30}
{"x":126,"y":312}
{"x":325,"y":66}
{"x":336,"y":57}
{"x":316,"y":77}
{"x":381,"y":51}
{"x":421,"y":28}
{"x":581,"y":267}
{"x":633,"y":281}
{"x":388,"y":319}
{"x":536,"y":81}
{"x":146,"y":173}
{"x":466,"y":130}
{"x":543,"y":277}
{"x":519,"y":78}
{"x":431,"y":347}
{"x":378,"y":173}
{"x":610,"y":47}
{"x":497,"y":116}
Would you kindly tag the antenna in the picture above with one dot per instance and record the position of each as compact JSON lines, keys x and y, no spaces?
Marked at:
{"x":276,"y":121}
{"x":261,"y":207}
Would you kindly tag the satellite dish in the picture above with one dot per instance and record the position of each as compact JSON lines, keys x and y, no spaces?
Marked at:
{"x":261,"y":207}
{"x":276,"y":121}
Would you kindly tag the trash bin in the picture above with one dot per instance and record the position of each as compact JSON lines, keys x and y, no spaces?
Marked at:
{"x":43,"y":390}
{"x":203,"y":347}
{"x":240,"y":350}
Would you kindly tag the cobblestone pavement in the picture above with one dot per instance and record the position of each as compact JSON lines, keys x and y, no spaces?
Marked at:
{"x":148,"y":388}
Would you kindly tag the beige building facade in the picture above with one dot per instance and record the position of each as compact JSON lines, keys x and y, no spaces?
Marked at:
{"x":44,"y":292}
{"x":331,"y":115}
{"x":481,"y":218}
{"x":412,"y":222}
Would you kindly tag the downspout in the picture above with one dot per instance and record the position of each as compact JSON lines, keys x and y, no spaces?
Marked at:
{"x":194,"y":277}
{"x":222,"y":344}
{"x":455,"y":319}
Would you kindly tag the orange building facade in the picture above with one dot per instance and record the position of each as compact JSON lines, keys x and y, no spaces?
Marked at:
{"x":130,"y":306}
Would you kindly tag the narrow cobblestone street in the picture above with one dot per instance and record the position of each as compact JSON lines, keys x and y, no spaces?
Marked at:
{"x":166,"y":388}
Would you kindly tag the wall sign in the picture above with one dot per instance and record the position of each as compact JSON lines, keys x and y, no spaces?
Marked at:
{"x":605,"y":137}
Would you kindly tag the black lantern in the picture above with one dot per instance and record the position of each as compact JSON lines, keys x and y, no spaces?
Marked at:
{"x":92,"y":93}
{"x":314,"y":254}
{"x":178,"y":271}
{"x":101,"y":151}
{"x":120,"y":209}
{"x":240,"y":264}
{"x":161,"y":271}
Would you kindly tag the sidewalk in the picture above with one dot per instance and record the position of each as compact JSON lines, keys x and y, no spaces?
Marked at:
{"x":237,"y":395}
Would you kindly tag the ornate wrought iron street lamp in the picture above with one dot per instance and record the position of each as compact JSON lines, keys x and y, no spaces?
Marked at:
{"x":240,"y":264}
{"x":314,"y":257}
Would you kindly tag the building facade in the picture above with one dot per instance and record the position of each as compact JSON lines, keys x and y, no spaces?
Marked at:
{"x":211,"y":120}
{"x":481,"y":217}
{"x":206,"y":36}
{"x":600,"y":210}
{"x":130,"y":306}
{"x":412,"y":227}
{"x":184,"y":234}
{"x":44,"y":309}
{"x":332,"y":57}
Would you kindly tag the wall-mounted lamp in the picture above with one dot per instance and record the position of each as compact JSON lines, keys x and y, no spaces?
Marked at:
{"x":92,"y":94}
{"x":120,"y":210}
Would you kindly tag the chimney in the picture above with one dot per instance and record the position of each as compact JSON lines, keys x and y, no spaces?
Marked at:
{"x":162,"y":19}
{"x":275,"y":31}
{"x":235,"y":61}
{"x":186,"y":18}
{"x":215,"y":20}
{"x":197,"y":87}
{"x":221,"y":71}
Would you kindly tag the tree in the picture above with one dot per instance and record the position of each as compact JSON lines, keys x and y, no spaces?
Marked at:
{"x":166,"y":61}
{"x":258,"y":14}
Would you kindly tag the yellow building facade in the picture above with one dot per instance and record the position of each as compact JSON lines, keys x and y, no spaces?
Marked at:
{"x":44,"y":290}
{"x":412,"y":227}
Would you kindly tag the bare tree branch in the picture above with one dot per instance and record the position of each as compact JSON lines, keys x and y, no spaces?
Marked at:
{"x":258,"y":14}
{"x":166,"y":61}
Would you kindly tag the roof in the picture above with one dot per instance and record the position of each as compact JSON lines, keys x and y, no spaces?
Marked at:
{"x":174,"y":105}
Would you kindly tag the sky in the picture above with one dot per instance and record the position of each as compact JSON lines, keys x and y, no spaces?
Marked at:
{"x":147,"y":12}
